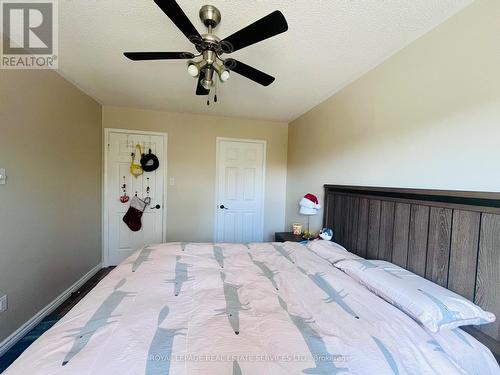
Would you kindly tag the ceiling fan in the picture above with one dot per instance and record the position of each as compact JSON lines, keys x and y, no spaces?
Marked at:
{"x":211,"y":48}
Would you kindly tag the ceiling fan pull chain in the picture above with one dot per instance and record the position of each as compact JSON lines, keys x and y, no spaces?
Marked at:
{"x":216,"y":86}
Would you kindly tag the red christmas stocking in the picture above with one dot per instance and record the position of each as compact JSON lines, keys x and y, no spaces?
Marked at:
{"x":133,"y":217}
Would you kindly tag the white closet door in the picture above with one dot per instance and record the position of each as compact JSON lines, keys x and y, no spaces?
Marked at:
{"x":240,"y":190}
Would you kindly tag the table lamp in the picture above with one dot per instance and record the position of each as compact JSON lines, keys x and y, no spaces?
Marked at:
{"x":309,"y":206}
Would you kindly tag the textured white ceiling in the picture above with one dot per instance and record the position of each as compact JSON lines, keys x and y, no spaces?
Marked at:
{"x":329,"y":44}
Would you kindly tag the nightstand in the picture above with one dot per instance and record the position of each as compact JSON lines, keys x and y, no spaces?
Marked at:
{"x":287,"y":236}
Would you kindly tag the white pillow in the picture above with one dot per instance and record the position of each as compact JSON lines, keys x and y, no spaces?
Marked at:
{"x":428,"y":303}
{"x":330,"y":251}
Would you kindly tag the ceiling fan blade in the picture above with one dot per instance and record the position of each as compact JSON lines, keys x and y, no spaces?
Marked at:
{"x":200,"y":90}
{"x":249,"y":72}
{"x":139,"y":56}
{"x":179,"y":18}
{"x":267,"y":27}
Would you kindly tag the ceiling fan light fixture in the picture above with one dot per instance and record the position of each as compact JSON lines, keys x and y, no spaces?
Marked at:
{"x":224,"y":76}
{"x":193,"y":69}
{"x":222,"y":72}
{"x":208,"y":82}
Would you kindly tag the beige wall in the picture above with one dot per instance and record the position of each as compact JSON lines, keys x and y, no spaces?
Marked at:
{"x":50,"y":142}
{"x":191,"y":161}
{"x":429,"y":117}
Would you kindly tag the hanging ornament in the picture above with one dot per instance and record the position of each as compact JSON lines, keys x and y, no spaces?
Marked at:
{"x":135,"y":166}
{"x":148,"y":198}
{"x":124,"y":198}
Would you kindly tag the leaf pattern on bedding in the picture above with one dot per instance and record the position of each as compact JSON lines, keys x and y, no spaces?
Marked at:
{"x":181,"y":275}
{"x":160,"y":349}
{"x":266,"y":271}
{"x":323,"y":359}
{"x":365,"y":264}
{"x":233,"y":304}
{"x":141,"y":258}
{"x":387,"y":355}
{"x":219,"y":256}
{"x":284,"y":253}
{"x":333,"y":295}
{"x":447,"y":315}
{"x":236,"y":368}
{"x":437,"y":347}
{"x":98,"y":320}
{"x":393,"y":272}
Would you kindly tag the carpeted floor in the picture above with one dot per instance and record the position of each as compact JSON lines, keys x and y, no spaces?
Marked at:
{"x":13,"y":353}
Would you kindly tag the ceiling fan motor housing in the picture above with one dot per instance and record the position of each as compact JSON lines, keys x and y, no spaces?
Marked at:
{"x":210,"y":16}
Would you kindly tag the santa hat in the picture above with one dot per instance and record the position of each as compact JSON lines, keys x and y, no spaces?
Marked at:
{"x":309,"y":205}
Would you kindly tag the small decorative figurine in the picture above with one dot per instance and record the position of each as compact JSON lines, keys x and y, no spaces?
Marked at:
{"x":124,"y":198}
{"x":326,"y":234}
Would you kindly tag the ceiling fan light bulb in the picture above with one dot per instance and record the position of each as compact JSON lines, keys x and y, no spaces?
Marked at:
{"x":207,"y":84}
{"x":193,"y":70}
{"x":224,"y":76}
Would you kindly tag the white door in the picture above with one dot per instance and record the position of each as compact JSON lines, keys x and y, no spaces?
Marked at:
{"x":240,"y":190}
{"x":120,"y":240}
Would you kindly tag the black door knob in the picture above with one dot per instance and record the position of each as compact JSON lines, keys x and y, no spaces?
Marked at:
{"x":222,"y":207}
{"x":156,"y":207}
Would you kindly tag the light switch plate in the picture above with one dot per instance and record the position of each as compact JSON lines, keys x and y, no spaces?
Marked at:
{"x":3,"y":176}
{"x":171,"y":181}
{"x":3,"y":304}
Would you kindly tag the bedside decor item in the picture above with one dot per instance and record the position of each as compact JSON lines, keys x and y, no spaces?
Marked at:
{"x":326,"y":234}
{"x":309,"y":235}
{"x":309,"y":206}
{"x":297,"y":229}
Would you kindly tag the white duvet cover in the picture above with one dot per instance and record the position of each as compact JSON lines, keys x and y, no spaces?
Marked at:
{"x":242,"y":309}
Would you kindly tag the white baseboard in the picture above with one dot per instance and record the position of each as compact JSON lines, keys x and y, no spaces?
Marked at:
{"x":10,"y":341}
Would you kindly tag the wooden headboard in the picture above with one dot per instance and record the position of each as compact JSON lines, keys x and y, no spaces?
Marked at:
{"x":449,"y":237}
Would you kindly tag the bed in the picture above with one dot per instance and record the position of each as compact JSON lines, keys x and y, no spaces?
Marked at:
{"x":451,"y":238}
{"x":268,"y":308}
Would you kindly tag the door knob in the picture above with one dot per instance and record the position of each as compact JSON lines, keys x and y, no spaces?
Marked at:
{"x":222,"y":207}
{"x":157,"y":207}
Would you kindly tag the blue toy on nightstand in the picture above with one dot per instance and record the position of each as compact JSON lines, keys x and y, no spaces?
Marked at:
{"x":326,"y":234}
